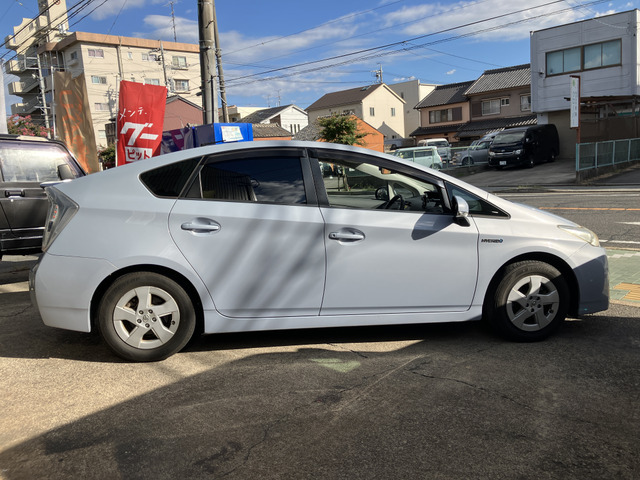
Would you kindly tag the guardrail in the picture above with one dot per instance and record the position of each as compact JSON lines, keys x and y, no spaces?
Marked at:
{"x":592,"y":156}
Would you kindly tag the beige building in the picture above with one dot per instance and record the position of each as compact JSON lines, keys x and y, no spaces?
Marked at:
{"x":377,"y":105}
{"x":44,"y":46}
{"x":412,"y":92}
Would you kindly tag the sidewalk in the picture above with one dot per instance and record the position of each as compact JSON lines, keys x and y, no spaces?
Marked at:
{"x":624,"y":275}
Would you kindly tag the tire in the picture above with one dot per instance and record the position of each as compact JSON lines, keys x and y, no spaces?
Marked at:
{"x":467,"y":161}
{"x":530,"y":162}
{"x":529,"y":302}
{"x":146,"y":329}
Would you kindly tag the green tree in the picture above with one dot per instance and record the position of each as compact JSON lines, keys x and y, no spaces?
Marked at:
{"x":107,"y":156}
{"x":18,"y":125}
{"x":341,"y":129}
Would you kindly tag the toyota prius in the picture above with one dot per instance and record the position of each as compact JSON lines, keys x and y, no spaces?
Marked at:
{"x":287,"y":235}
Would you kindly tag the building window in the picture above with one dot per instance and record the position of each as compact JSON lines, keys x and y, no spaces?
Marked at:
{"x":130,"y":55}
{"x":179,"y":62}
{"x":98,"y":80}
{"x":96,"y":52}
{"x":152,"y":81}
{"x":145,"y":57}
{"x":102,"y":134}
{"x":73,"y":56}
{"x":504,"y":102}
{"x":181,"y":85}
{"x":597,"y":55}
{"x":445,"y":115}
{"x":491,"y":107}
{"x":101,"y":107}
{"x":603,"y":54}
{"x":525,"y":103}
{"x":393,"y":112}
{"x":372,"y":111}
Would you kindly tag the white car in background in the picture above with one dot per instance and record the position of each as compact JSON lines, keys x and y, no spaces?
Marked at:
{"x":256,"y":236}
{"x":425,"y":156}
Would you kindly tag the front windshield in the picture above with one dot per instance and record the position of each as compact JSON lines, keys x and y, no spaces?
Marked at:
{"x":511,"y":137}
{"x":438,"y":144}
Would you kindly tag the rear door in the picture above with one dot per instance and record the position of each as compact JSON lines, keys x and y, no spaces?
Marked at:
{"x":24,"y":165}
{"x":252,"y":230}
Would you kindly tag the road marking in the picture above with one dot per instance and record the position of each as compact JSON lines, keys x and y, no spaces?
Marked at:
{"x":629,"y":223}
{"x":626,"y":242}
{"x":632,"y":288}
{"x":603,"y":209}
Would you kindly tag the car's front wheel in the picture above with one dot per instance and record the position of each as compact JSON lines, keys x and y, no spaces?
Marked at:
{"x":529,"y":302}
{"x":146,"y":317}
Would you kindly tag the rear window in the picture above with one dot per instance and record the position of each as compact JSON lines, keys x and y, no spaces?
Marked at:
{"x":511,"y":137}
{"x":31,"y":161}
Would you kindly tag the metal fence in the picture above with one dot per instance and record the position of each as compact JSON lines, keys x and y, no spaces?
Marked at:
{"x":605,"y":154}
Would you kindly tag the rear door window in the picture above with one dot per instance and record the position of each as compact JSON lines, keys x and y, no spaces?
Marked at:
{"x":34,"y":161}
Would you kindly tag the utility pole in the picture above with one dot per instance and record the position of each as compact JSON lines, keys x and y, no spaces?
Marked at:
{"x":223,"y":93}
{"x":3,"y":113}
{"x":207,"y":65}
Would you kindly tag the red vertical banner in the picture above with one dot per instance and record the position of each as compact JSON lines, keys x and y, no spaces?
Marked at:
{"x":140,"y":121}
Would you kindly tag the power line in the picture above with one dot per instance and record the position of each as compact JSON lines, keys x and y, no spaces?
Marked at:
{"x":376,"y":52}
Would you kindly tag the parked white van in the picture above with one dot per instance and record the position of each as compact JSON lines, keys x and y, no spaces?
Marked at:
{"x":442,"y":144}
{"x":427,"y":156}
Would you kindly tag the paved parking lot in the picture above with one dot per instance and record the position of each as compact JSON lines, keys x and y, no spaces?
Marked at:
{"x":437,"y":401}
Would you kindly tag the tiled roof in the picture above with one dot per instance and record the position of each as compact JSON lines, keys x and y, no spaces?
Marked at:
{"x":267,"y":130}
{"x":482,"y":127}
{"x":501,"y":79}
{"x":264,"y":114}
{"x":345,"y":97}
{"x":445,"y":95}
{"x":310,"y":133}
{"x":436,"y":130}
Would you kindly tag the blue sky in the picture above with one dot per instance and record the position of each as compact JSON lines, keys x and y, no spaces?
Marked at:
{"x":335,"y":45}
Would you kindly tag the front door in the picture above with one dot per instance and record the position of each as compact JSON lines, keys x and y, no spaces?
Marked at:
{"x":392,"y":244}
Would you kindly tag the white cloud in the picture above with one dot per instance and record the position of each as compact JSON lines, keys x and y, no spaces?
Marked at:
{"x":432,"y":18}
{"x":161,"y":27}
{"x":113,"y":7}
{"x":451,"y":72}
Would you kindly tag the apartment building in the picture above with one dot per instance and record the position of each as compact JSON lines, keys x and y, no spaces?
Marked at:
{"x":44,"y":46}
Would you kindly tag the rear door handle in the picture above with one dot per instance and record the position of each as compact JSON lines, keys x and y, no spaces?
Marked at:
{"x":201,"y":226}
{"x":14,"y":193}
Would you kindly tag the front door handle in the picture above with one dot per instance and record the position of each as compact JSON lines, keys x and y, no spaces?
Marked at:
{"x":347,"y":235}
{"x":201,"y":226}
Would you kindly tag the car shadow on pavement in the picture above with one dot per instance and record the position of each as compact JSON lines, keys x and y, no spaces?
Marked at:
{"x":455,"y":401}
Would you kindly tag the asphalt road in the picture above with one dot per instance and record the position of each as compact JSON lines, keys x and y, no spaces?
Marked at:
{"x":438,"y":401}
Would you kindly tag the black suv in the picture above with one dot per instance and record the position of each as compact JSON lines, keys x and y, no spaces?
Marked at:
{"x":26,"y":163}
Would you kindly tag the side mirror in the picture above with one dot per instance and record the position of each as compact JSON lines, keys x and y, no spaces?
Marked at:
{"x":382,"y":194}
{"x":64,"y":172}
{"x":461,"y":211}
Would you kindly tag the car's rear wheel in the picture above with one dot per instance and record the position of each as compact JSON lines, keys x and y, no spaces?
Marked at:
{"x":146,"y":317}
{"x":467,"y":161}
{"x":529,"y":302}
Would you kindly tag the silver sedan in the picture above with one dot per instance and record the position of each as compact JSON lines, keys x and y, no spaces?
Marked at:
{"x":280,"y":235}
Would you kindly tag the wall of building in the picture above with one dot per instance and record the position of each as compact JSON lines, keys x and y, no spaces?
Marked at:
{"x":549,"y":93}
{"x":293,"y":120}
{"x":412,"y":92}
{"x":513,"y":109}
{"x":383,"y":101}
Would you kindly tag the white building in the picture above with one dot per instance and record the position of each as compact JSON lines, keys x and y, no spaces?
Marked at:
{"x":412,"y":92}
{"x":44,"y":46}
{"x":603,"y":52}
